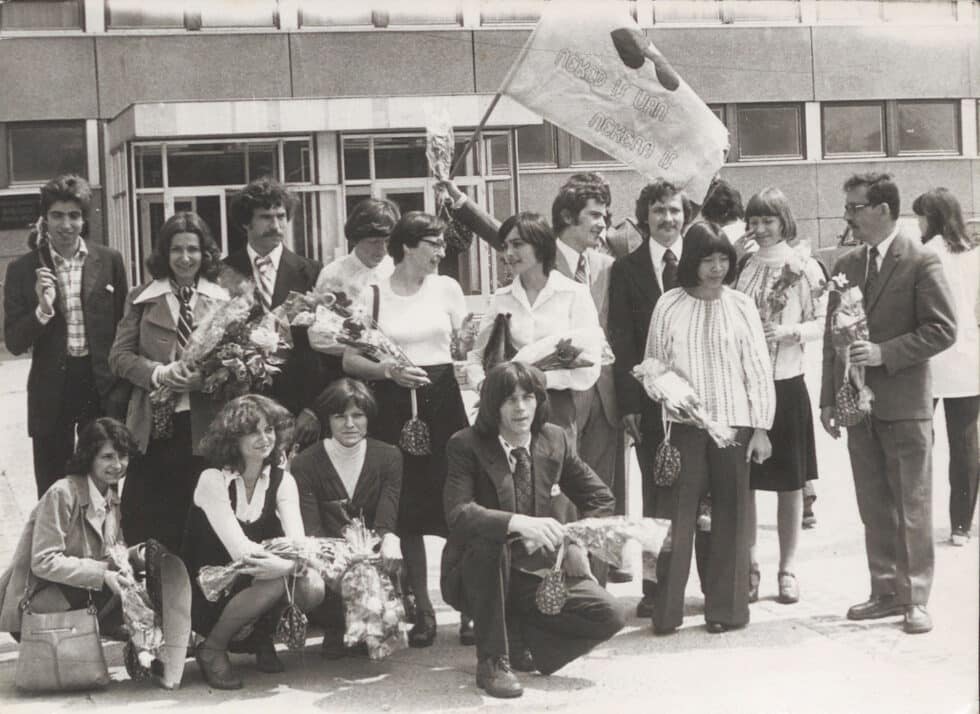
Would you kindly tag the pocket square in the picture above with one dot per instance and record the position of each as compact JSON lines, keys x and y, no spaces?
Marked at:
{"x":110,"y":287}
{"x":555,"y":489}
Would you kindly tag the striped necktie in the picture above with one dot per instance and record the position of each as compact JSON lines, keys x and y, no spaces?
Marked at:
{"x":263,"y":266}
{"x":581,"y":276}
{"x":185,"y":317}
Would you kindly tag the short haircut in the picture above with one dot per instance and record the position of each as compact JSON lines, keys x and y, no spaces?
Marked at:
{"x":535,"y":231}
{"x":881,"y":189}
{"x":574,"y":194}
{"x":704,"y":239}
{"x":772,"y":202}
{"x":240,"y":417}
{"x":500,"y":383}
{"x":371,"y":218}
{"x":262,"y":193}
{"x":93,"y":437}
{"x":944,"y":217}
{"x":723,"y":204}
{"x":185,"y":222}
{"x":411,"y":228}
{"x":339,"y":395}
{"x":659,"y":190}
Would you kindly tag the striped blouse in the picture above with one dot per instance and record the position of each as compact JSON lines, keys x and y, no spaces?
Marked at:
{"x":720,"y":347}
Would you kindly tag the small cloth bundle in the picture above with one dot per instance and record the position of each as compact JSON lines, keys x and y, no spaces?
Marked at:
{"x":291,"y":628}
{"x":415,"y":439}
{"x":551,"y":593}
{"x":667,"y":461}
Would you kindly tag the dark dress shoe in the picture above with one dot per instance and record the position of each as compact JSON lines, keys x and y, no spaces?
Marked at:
{"x":266,"y":659}
{"x":467,"y":636}
{"x":522,"y":661}
{"x":333,"y":644}
{"x":875,"y":608}
{"x":644,"y":608}
{"x":423,"y":634}
{"x":217,"y":669}
{"x":716,"y":628}
{"x":619,"y":576}
{"x":495,"y":677}
{"x":917,"y":620}
{"x":658,"y":630}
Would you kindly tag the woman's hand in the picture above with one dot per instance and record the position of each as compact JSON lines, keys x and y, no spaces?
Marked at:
{"x":745,"y":244}
{"x":391,"y":553}
{"x":116,"y":582}
{"x":266,"y":566}
{"x":780,"y":333}
{"x":180,"y":378}
{"x":405,"y":376}
{"x":759,"y":447}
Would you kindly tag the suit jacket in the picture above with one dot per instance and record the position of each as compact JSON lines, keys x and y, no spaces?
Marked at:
{"x":910,"y":316}
{"x":624,"y":238}
{"x":324,"y":502}
{"x":301,"y":379}
{"x":479,"y":492}
{"x":146,"y":338}
{"x":104,"y":288}
{"x":59,"y":544}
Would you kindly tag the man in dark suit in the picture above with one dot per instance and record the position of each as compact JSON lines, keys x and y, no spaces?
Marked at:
{"x":505,"y":473}
{"x":63,"y":301}
{"x":264,"y":209}
{"x":910,"y":318}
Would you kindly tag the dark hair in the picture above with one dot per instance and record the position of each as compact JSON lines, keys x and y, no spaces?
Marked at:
{"x":371,"y":218}
{"x":411,"y":228}
{"x":535,"y":231}
{"x":265,"y":192}
{"x":702,"y":240}
{"x":102,"y":431}
{"x":772,"y":202}
{"x":240,"y":417}
{"x":724,"y":203}
{"x":69,"y":187}
{"x":500,"y":383}
{"x":573,"y":196}
{"x":943,"y":217}
{"x":881,"y":189}
{"x":185,"y":222}
{"x":337,"y":397}
{"x":659,"y":190}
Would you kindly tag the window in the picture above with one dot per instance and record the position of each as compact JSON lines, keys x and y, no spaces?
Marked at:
{"x":854,"y":128}
{"x":32,"y":158}
{"x":719,"y":111}
{"x":536,"y":145}
{"x":891,"y":128}
{"x":584,"y":153}
{"x":357,"y":13}
{"x":510,"y":12}
{"x":139,"y":14}
{"x":41,"y":15}
{"x":769,"y":131}
{"x":928,"y":127}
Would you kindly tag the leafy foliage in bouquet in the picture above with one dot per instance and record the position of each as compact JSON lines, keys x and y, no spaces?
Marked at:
{"x":849,"y":324}
{"x":565,"y":356}
{"x":606,"y":538}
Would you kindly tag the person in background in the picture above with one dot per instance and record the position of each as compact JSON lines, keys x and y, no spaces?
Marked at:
{"x":62,"y":301}
{"x":723,"y":207}
{"x":956,"y":370}
{"x":160,"y":317}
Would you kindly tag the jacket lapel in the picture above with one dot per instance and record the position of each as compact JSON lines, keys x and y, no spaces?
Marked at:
{"x":542,"y":457}
{"x":284,"y":277}
{"x":158,"y":313}
{"x":90,"y":272}
{"x":562,"y":265}
{"x":894,"y":254}
{"x":494,"y":460}
{"x":644,"y":273}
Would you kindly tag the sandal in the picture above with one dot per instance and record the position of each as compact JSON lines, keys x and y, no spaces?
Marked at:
{"x":789,"y":589}
{"x":754,"y":578}
{"x":423,"y":634}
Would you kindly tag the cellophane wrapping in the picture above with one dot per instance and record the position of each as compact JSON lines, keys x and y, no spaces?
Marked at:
{"x":605,"y":538}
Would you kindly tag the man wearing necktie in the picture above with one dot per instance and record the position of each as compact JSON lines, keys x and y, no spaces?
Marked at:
{"x":910,"y":318}
{"x":263,"y":209}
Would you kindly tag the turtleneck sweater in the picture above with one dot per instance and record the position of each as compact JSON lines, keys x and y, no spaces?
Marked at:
{"x":348,"y":461}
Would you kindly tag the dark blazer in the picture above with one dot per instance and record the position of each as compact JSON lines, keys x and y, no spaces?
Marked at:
{"x":104,"y":289}
{"x":300,"y":381}
{"x":324,"y":502}
{"x":910,"y":316}
{"x":479,"y":492}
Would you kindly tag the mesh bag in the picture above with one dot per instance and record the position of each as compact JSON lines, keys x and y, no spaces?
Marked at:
{"x":846,"y":405}
{"x":291,"y":628}
{"x":415,"y":439}
{"x":667,"y":461}
{"x":551,"y":593}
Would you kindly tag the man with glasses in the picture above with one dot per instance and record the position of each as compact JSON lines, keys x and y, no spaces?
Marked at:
{"x":910,"y":318}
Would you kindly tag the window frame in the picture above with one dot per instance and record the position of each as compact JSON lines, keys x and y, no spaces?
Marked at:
{"x":896,"y":133}
{"x":881,"y":104}
{"x":13,"y":181}
{"x":731,"y":113}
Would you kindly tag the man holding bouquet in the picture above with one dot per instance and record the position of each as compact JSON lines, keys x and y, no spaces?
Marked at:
{"x":910,"y":318}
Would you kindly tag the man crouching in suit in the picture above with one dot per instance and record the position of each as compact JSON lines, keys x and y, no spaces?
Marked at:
{"x":504,"y":474}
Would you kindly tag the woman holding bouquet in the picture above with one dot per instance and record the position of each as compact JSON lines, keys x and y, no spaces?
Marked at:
{"x":712,"y":335}
{"x":419,"y":310}
{"x":246,"y":499}
{"x":787,"y":290}
{"x":158,"y":321}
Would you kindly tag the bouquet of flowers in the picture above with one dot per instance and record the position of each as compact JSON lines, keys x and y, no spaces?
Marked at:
{"x":777,"y":297}
{"x":605,"y":538}
{"x":144,"y":623}
{"x":216,"y":580}
{"x":848,"y":325}
{"x":439,"y":143}
{"x":574,"y":358}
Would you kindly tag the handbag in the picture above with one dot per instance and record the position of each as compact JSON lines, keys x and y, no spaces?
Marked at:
{"x":667,"y":461}
{"x":551,"y":594}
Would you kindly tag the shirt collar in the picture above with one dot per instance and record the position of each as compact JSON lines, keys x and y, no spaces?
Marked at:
{"x":231,"y":475}
{"x":572,"y":256}
{"x":885,"y":244}
{"x":275,"y":255}
{"x":657,"y":251}
{"x":508,"y":447}
{"x":161,"y":286}
{"x":81,"y":252}
{"x":95,"y":498}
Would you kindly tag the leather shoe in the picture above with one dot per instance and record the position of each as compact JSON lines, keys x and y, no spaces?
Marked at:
{"x":495,"y":677}
{"x":424,"y":632}
{"x":522,"y":661}
{"x":216,"y":668}
{"x":644,"y":608}
{"x":333,"y":644}
{"x":917,"y":620}
{"x":755,"y":577}
{"x":876,"y":608}
{"x":716,"y":628}
{"x":617,"y":575}
{"x":467,"y":636}
{"x":266,"y":659}
{"x":959,"y":537}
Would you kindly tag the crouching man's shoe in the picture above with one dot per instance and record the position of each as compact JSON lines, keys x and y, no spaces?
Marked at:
{"x":495,"y":677}
{"x":917,"y":620}
{"x":523,"y":661}
{"x":875,"y":608}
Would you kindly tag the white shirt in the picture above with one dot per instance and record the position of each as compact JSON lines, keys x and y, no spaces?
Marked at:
{"x":348,"y":461}
{"x":211,"y":496}
{"x":882,"y":250}
{"x":956,"y":370}
{"x":572,"y":258}
{"x":97,"y":506}
{"x":275,"y":255}
{"x":509,"y":450}
{"x":657,"y":252}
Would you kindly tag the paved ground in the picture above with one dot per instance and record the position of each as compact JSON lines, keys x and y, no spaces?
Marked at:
{"x":800,"y":659}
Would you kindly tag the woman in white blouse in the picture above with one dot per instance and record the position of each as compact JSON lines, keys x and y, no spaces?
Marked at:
{"x":248,"y":499}
{"x":956,"y":371}
{"x":712,"y":335}
{"x":794,"y":457}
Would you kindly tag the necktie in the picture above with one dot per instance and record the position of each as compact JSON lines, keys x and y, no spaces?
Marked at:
{"x":669,"y":276}
{"x":869,"y":284}
{"x":110,"y":528}
{"x":580,"y":271}
{"x":523,"y":488}
{"x":263,"y":266}
{"x":185,"y":319}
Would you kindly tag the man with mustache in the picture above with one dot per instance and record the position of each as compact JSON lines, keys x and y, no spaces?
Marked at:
{"x":263,"y":210}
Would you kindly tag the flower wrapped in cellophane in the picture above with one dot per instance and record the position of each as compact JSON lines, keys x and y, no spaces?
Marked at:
{"x":144,"y":623}
{"x":849,"y":324}
{"x":606,"y":538}
{"x":573,"y":360}
{"x":681,"y":403}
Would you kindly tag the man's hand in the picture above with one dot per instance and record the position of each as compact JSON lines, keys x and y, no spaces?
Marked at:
{"x":45,"y":287}
{"x":631,"y":423}
{"x":759,"y":448}
{"x":451,"y":188}
{"x":537,"y":532}
{"x":865,"y":354}
{"x":391,"y":553}
{"x":116,"y":582}
{"x":307,"y":429}
{"x":829,"y":422}
{"x":576,"y":563}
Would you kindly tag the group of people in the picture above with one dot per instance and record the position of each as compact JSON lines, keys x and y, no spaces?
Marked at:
{"x":210,"y":480}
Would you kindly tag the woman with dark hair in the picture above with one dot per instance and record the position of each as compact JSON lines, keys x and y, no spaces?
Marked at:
{"x":955,"y":377}
{"x":712,"y":335}
{"x":794,"y":455}
{"x":246,"y":499}
{"x":160,"y":316}
{"x":420,"y":310}
{"x":347,"y":475}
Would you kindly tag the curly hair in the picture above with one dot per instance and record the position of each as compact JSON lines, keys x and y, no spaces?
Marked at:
{"x":265,"y":192}
{"x":102,"y":431}
{"x":573,"y":196}
{"x":69,"y":187}
{"x":240,"y":417}
{"x":158,"y":263}
{"x":411,"y":228}
{"x":659,"y":190}
{"x":724,"y":203}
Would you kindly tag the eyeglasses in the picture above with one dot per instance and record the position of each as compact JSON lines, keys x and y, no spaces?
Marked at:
{"x":436,"y":244}
{"x":854,"y":207}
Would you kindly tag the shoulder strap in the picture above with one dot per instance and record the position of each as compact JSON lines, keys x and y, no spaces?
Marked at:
{"x":376,"y":302}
